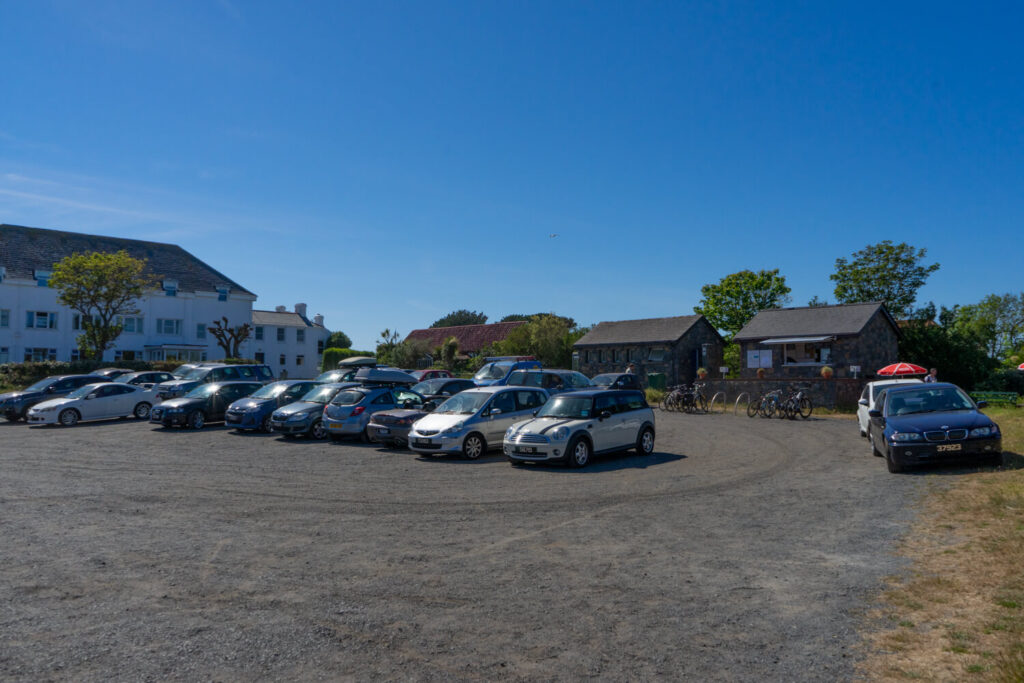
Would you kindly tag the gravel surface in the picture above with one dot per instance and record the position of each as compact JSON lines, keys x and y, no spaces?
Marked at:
{"x":742,"y":549}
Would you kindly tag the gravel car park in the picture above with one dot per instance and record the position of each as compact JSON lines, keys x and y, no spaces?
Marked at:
{"x":738,"y":550}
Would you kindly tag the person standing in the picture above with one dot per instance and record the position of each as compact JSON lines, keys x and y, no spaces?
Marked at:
{"x":630,"y":369}
{"x":932,"y":376}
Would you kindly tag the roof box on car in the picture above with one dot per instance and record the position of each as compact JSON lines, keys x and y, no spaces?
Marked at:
{"x":379,"y":376}
{"x":357,"y":361}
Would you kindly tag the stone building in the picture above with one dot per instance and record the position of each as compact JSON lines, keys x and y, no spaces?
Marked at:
{"x":675,"y":347}
{"x":854,"y":340}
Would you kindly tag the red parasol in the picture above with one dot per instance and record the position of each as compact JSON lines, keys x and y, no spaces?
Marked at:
{"x":900,"y":369}
{"x":1021,"y":366}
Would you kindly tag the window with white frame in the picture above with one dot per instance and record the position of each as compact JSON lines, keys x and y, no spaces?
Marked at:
{"x":41,"y":320}
{"x":300,"y":336}
{"x":42,"y":277}
{"x":258,"y":333}
{"x":5,"y":318}
{"x":200,"y":330}
{"x":320,"y":346}
{"x":259,"y":357}
{"x":131,"y":324}
{"x":809,"y":353}
{"x":656,"y":355}
{"x":168,"y":326}
{"x":170,"y":287}
{"x":633,"y":355}
{"x":76,"y":354}
{"x":127,"y":354}
{"x":39,"y":355}
{"x":222,"y":293}
{"x":282,"y":359}
{"x":280,"y":334}
{"x":299,"y":359}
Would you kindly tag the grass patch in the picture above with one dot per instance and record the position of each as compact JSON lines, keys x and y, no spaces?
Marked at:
{"x":961,"y":605}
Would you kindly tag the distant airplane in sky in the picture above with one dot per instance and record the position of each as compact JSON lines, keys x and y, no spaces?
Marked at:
{"x":554,"y":234}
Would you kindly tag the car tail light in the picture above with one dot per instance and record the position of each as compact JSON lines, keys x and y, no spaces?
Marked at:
{"x":358,"y":410}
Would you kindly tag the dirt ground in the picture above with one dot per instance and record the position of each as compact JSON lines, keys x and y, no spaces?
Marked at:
{"x":743,"y":549}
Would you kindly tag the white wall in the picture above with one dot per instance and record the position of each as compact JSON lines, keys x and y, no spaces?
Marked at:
{"x":290,"y":348}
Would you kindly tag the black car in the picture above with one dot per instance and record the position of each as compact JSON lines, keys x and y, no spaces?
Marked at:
{"x":915,"y":424}
{"x":14,"y":405}
{"x":205,"y":403}
{"x":111,"y":373}
{"x":616,"y":380}
{"x":439,"y":389}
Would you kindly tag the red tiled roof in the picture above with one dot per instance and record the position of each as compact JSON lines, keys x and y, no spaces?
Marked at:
{"x":471,"y":338}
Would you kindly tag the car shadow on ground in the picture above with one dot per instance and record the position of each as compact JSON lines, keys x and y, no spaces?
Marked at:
{"x":1011,"y":461}
{"x":602,"y":463}
{"x":85,"y":425}
{"x":215,"y":427}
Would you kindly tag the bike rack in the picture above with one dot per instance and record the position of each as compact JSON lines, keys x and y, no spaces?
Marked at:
{"x":736,"y":406}
{"x":711,"y":403}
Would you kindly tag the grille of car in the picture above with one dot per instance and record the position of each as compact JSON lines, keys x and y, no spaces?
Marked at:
{"x":530,"y":438}
{"x":935,"y":436}
{"x":427,"y":432}
{"x":956,"y":434}
{"x":157,"y":412}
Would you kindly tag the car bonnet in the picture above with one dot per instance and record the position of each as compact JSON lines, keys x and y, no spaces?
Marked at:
{"x":55,"y":402}
{"x":542,"y":425}
{"x":299,"y":407}
{"x":923,"y":422}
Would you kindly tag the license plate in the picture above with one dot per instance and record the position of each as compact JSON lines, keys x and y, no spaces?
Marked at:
{"x":948,"y":447}
{"x":383,"y":430}
{"x":333,"y":427}
{"x":423,"y":442}
{"x":526,"y":449}
{"x":232,"y":418}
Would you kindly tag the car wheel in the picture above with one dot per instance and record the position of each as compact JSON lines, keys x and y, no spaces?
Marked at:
{"x":892,"y":465}
{"x":196,"y":419}
{"x":318,"y":431}
{"x":265,"y":425}
{"x":141,"y":411}
{"x":69,"y":417}
{"x":645,"y":441}
{"x":473,"y":447}
{"x":579,"y":452}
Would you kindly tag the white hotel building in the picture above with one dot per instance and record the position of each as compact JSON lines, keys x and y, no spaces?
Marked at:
{"x":172,"y":321}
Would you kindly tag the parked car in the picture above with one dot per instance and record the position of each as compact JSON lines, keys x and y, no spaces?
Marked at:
{"x":146,"y":378}
{"x":497,"y":370}
{"x":923,"y":423}
{"x":111,"y":373}
{"x":383,"y":376}
{"x":617,"y":380}
{"x":358,"y":362}
{"x":349,"y":412}
{"x":474,"y":420}
{"x":574,"y":427}
{"x":438,"y":390}
{"x":431,"y":373}
{"x":870,"y":395}
{"x":97,"y":401}
{"x":14,"y":405}
{"x":253,"y":412}
{"x":205,"y":403}
{"x":305,"y":417}
{"x":552,"y":381}
{"x":206,"y":373}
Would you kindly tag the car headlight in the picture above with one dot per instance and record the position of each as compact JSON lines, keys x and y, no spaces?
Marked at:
{"x":510,"y":432}
{"x":47,"y":409}
{"x":559,"y":433}
{"x":984,"y":431}
{"x":295,"y":417}
{"x":454,"y":429}
{"x":906,"y":436}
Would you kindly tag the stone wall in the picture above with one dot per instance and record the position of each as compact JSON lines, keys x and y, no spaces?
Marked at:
{"x":829,"y":393}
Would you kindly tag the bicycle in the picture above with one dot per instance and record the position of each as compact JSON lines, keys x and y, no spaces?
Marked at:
{"x":797,"y":403}
{"x":766,"y":406}
{"x":698,"y":402}
{"x":672,"y":399}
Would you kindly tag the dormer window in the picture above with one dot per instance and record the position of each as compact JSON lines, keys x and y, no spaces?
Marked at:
{"x":170,"y":287}
{"x":42,"y":277}
{"x":222,"y":293}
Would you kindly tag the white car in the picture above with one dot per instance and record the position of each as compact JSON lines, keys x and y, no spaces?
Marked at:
{"x":573,"y":426}
{"x":868,"y":396}
{"x":95,"y":402}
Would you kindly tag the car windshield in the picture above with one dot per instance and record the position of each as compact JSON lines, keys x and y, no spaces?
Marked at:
{"x":466,"y":403}
{"x":271,"y":390}
{"x":40,"y":385}
{"x":492,"y":371}
{"x":940,"y":399}
{"x":522,"y":378}
{"x":348,"y":398}
{"x":430,"y":386}
{"x":604,"y":380}
{"x":82,"y":391}
{"x":124,"y":379}
{"x":329,"y":376}
{"x":194,"y":373}
{"x":319,"y":394}
{"x":204,"y":391}
{"x":566,"y":406}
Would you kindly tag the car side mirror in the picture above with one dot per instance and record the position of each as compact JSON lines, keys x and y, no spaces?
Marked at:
{"x":983,"y":404}
{"x":495,"y":411}
{"x":50,"y":389}
{"x":604,"y":415}
{"x":863,"y":402}
{"x":90,"y":397}
{"x":875,"y":413}
{"x":535,"y":413}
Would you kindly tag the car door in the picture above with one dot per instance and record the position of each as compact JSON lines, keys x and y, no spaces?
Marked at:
{"x":91,"y":406}
{"x":607,"y":431}
{"x":502,"y":413}
{"x":121,"y":401}
{"x":876,"y":425}
{"x":630,"y":416}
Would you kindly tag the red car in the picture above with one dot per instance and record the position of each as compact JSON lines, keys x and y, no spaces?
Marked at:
{"x":432,"y":373}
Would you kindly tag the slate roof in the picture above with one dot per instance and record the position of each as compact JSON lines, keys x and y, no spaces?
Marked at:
{"x":842,"y":320}
{"x":644,"y":331}
{"x":472,"y":338}
{"x":23,"y":250}
{"x":279,"y":319}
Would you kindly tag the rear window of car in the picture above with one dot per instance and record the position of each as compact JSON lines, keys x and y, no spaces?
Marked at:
{"x":348,"y":398}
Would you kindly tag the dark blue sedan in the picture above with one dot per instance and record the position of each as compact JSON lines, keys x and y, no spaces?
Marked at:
{"x":253,"y":412}
{"x":917,"y":424}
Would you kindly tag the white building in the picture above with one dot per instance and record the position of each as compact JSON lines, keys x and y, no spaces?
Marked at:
{"x":288,"y":342}
{"x":172,"y":321}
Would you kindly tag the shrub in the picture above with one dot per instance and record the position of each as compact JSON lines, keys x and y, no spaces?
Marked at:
{"x":654,"y":396}
{"x":333,"y":355}
{"x":24,"y":374}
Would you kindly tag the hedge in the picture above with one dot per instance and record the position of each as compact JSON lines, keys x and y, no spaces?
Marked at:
{"x":334,"y":354}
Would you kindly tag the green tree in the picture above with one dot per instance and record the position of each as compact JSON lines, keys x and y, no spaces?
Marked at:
{"x":408,"y":354}
{"x":546,"y":336}
{"x":338,"y":340}
{"x":516,"y":317}
{"x":461,"y":317}
{"x":101,"y":287}
{"x":957,"y":356}
{"x":730,"y":304}
{"x":887,"y":272}
{"x":996,"y":322}
{"x":449,"y":352}
{"x":388,"y":342}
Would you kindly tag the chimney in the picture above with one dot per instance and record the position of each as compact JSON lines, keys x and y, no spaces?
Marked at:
{"x":318,"y":320}
{"x":281,"y":309}
{"x":301,"y":309}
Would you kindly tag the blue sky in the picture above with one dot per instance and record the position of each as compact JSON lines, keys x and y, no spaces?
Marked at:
{"x":388,"y":162}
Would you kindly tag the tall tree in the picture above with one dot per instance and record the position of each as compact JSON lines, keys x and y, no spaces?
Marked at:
{"x":100,"y":287}
{"x":887,"y":272}
{"x":517,"y":317}
{"x":386,"y":345}
{"x":730,"y":304}
{"x":461,"y":317}
{"x":230,"y":338}
{"x":996,"y":322}
{"x":338,"y":340}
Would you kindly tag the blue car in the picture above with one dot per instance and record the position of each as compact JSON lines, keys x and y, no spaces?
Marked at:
{"x":497,"y":370}
{"x":253,"y":412}
{"x":915,"y":424}
{"x":552,"y":381}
